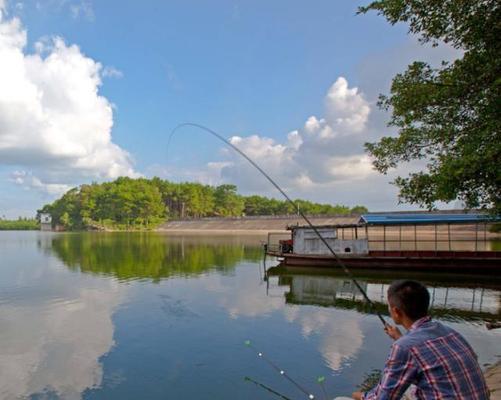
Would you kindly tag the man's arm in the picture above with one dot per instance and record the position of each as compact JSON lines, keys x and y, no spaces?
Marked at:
{"x":399,"y":372}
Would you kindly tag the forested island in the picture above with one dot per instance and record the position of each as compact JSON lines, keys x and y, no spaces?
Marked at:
{"x":131,"y":204}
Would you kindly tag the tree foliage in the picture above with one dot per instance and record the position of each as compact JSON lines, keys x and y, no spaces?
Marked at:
{"x":144,"y":203}
{"x":448,"y":117}
{"x":20,"y":224}
{"x":227,"y":201}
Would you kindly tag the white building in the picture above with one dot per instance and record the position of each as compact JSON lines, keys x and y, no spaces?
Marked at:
{"x":45,"y":222}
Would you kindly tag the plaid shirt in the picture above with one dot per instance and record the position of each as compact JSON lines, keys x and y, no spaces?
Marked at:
{"x":437,"y":360}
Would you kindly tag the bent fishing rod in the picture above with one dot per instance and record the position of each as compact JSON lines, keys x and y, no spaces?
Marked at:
{"x":322,"y":239}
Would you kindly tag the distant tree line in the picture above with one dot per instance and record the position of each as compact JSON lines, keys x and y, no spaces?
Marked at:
{"x":20,"y":224}
{"x":144,"y":203}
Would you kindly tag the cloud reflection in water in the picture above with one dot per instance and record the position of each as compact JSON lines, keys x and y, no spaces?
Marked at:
{"x":55,"y":327}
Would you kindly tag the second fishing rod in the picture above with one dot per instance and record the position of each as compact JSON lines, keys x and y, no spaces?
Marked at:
{"x":322,"y":239}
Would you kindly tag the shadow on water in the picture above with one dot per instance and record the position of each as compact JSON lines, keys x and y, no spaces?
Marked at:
{"x":130,"y":256}
{"x":458,"y":297}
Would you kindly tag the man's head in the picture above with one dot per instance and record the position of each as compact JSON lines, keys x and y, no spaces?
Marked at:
{"x":407,"y":300}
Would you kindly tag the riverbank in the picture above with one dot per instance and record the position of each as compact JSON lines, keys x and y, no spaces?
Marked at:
{"x":249,"y":225}
{"x":223,"y":232}
{"x":493,"y":379}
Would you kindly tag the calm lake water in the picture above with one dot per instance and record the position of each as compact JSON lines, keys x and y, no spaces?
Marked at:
{"x":152,"y":316}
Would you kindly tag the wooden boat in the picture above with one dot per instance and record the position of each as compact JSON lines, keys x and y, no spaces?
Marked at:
{"x":418,"y":241}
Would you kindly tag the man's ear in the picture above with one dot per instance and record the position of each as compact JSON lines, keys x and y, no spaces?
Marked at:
{"x":397,"y":313}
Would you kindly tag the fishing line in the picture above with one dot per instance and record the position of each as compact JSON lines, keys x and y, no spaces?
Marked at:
{"x":262,"y":385}
{"x":336,"y":257}
{"x":320,"y":381}
{"x":279,"y":370}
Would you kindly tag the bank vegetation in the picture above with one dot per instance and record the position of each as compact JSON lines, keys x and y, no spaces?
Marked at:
{"x":20,"y":224}
{"x":135,"y":204}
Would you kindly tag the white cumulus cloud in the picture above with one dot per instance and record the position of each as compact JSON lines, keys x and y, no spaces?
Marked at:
{"x":55,"y":127}
{"x":324,"y":151}
{"x":346,"y":110}
{"x":29,"y":181}
{"x":324,"y":160}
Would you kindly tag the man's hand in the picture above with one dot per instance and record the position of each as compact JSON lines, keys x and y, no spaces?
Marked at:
{"x":392,"y":331}
{"x":357,"y":395}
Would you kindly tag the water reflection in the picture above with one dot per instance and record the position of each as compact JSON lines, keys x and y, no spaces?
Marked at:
{"x":58,"y":326}
{"x":466,"y":298}
{"x":129,"y":256}
{"x":328,"y":305}
{"x":55,"y":326}
{"x":113,"y":316}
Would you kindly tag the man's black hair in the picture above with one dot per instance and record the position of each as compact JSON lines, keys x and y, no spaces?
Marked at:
{"x":411,"y":297}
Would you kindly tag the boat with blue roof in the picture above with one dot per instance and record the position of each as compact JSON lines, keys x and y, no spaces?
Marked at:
{"x":414,"y":241}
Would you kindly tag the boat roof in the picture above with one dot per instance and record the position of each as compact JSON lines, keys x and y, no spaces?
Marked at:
{"x":427,"y":218}
{"x":395,"y":219}
{"x":329,"y":226}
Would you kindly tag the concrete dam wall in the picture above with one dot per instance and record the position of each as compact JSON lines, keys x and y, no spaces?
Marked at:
{"x":251,"y":224}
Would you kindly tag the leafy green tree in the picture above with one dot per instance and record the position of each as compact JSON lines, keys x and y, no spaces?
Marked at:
{"x":146,"y":203}
{"x":450,"y":116}
{"x":65,"y":220}
{"x":283,"y":207}
{"x":227,"y":202}
{"x":208,"y":200}
{"x":87,"y":203}
{"x":359,"y":210}
{"x":252,"y":205}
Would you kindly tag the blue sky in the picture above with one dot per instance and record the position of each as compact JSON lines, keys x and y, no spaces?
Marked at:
{"x":294,"y":83}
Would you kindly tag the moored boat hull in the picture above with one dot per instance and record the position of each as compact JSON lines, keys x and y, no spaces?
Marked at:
{"x":481,"y":261}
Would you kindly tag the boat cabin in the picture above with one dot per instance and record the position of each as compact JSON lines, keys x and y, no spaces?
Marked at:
{"x":393,"y":232}
{"x":306,"y":241}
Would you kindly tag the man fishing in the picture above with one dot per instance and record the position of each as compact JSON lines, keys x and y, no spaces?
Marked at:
{"x":434,"y":358}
